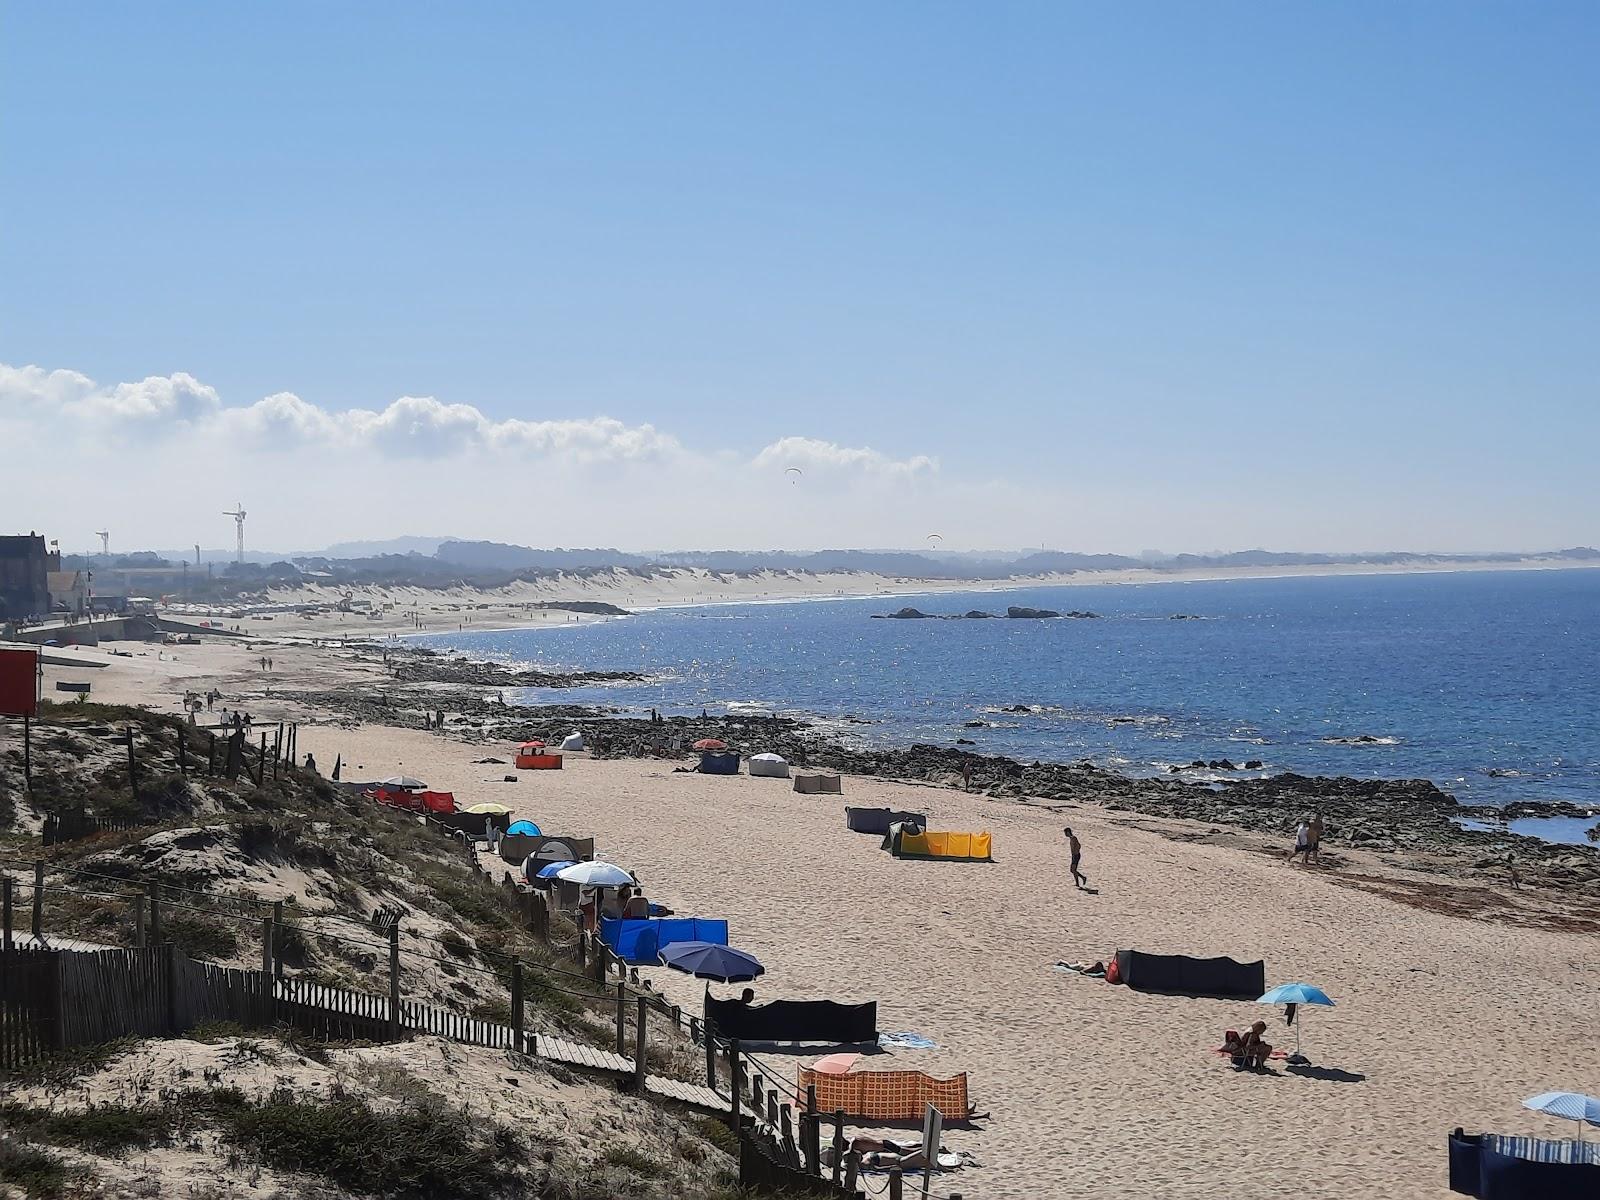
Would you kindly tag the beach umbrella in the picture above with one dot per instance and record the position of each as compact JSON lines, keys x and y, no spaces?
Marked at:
{"x":1574,"y":1106}
{"x":704,"y":960}
{"x":489,"y":806}
{"x":1297,"y":994}
{"x":710,"y":744}
{"x":526,"y":827}
{"x":550,"y":870}
{"x":404,"y":782}
{"x":595,"y":874}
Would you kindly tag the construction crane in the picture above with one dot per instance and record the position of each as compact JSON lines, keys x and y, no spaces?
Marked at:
{"x":105,"y":542}
{"x":238,"y":520}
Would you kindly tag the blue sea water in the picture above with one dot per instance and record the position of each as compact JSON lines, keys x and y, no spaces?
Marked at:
{"x":1487,"y":683}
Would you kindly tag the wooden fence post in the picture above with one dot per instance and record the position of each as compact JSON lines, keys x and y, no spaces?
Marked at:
{"x":811,"y":1134}
{"x":709,"y":1040}
{"x":138,"y":919}
{"x":277,"y":950}
{"x":895,"y":1187}
{"x":170,"y":964}
{"x":211,"y":753}
{"x":622,"y":993}
{"x":27,"y":753}
{"x":277,"y":749}
{"x":790,"y":1154}
{"x":735,"y":1085}
{"x":851,"y":1167}
{"x":155,"y":914}
{"x":266,"y":948}
{"x":838,"y":1143}
{"x":394,"y":975}
{"x":5,"y":911}
{"x":183,"y":753}
{"x":516,"y":1004}
{"x":133,"y":767}
{"x":772,"y":1108}
{"x":38,"y":902}
{"x":639,"y":1050}
{"x":261,"y":762}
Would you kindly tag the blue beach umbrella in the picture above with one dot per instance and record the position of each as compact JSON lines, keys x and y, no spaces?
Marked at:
{"x":527,"y":827}
{"x":706,"y":961}
{"x":550,"y":870}
{"x":1297,"y":994}
{"x":1574,"y":1106}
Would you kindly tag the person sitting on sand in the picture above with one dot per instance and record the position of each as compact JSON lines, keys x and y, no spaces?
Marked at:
{"x":1253,"y":1050}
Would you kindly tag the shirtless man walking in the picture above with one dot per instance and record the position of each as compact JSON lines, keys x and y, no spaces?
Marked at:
{"x":1079,"y":879}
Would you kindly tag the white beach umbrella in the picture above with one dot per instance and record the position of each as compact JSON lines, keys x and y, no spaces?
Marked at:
{"x":596,"y":874}
{"x":406,"y":782}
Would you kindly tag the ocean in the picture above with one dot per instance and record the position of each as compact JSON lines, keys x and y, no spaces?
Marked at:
{"x":1487,"y":683}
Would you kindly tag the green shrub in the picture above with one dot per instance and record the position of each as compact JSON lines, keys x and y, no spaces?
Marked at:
{"x":32,"y":1171}
{"x":629,"y":1159}
{"x":200,"y":937}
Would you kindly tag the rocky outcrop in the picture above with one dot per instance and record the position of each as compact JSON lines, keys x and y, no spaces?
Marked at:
{"x":904,"y":614}
{"x":1030,"y":614}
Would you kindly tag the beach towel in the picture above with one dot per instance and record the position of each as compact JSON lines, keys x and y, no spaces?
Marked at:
{"x":906,"y":1041}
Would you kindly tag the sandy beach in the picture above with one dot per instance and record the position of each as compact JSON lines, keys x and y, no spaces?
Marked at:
{"x":1093,"y":1090}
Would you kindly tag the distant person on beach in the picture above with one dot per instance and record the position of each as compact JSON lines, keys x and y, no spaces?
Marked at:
{"x":1314,"y":829}
{"x":966,"y":775}
{"x":1302,"y":842}
{"x":311,"y":763}
{"x":1079,"y":879}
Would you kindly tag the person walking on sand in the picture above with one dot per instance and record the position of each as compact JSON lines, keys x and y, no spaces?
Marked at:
{"x":966,"y":777}
{"x":1302,"y":842}
{"x":1079,"y":879}
{"x":1314,"y":830}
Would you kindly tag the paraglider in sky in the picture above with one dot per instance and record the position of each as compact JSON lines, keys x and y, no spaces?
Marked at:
{"x":934,"y":540}
{"x":794,"y":474}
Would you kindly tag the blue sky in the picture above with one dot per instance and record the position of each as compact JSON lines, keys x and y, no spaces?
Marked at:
{"x":1185,"y":276}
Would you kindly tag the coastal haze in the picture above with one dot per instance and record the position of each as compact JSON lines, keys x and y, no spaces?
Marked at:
{"x":1161,"y":440}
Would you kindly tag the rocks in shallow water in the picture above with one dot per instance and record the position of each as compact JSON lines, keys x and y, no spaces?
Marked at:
{"x":1361,"y":739}
{"x":965,"y":742}
{"x":1255,"y":764}
{"x":975,"y":615}
{"x":904,"y":614}
{"x":975,"y":724}
{"x":1031,"y":614}
{"x":1019,"y":708}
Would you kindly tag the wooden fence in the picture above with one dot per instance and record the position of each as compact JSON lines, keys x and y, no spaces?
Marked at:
{"x":75,"y":824}
{"x":30,"y":1006}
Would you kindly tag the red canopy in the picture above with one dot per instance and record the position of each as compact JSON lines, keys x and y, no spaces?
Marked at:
{"x":711,"y":744}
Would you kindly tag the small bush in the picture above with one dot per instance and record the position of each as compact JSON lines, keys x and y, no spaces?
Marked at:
{"x":100,"y":1128}
{"x":200,"y":937}
{"x":423,"y":1151}
{"x":32,"y":1171}
{"x":455,"y":945}
{"x":639,"y":1163}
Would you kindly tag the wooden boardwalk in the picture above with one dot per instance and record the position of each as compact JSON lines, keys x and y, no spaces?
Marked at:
{"x":687,"y":1093}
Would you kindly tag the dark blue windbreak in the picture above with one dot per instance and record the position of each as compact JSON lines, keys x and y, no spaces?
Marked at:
{"x":639,"y":941}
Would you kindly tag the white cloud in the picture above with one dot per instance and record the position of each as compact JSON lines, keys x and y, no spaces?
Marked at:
{"x":813,"y":454}
{"x":30,"y":386}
